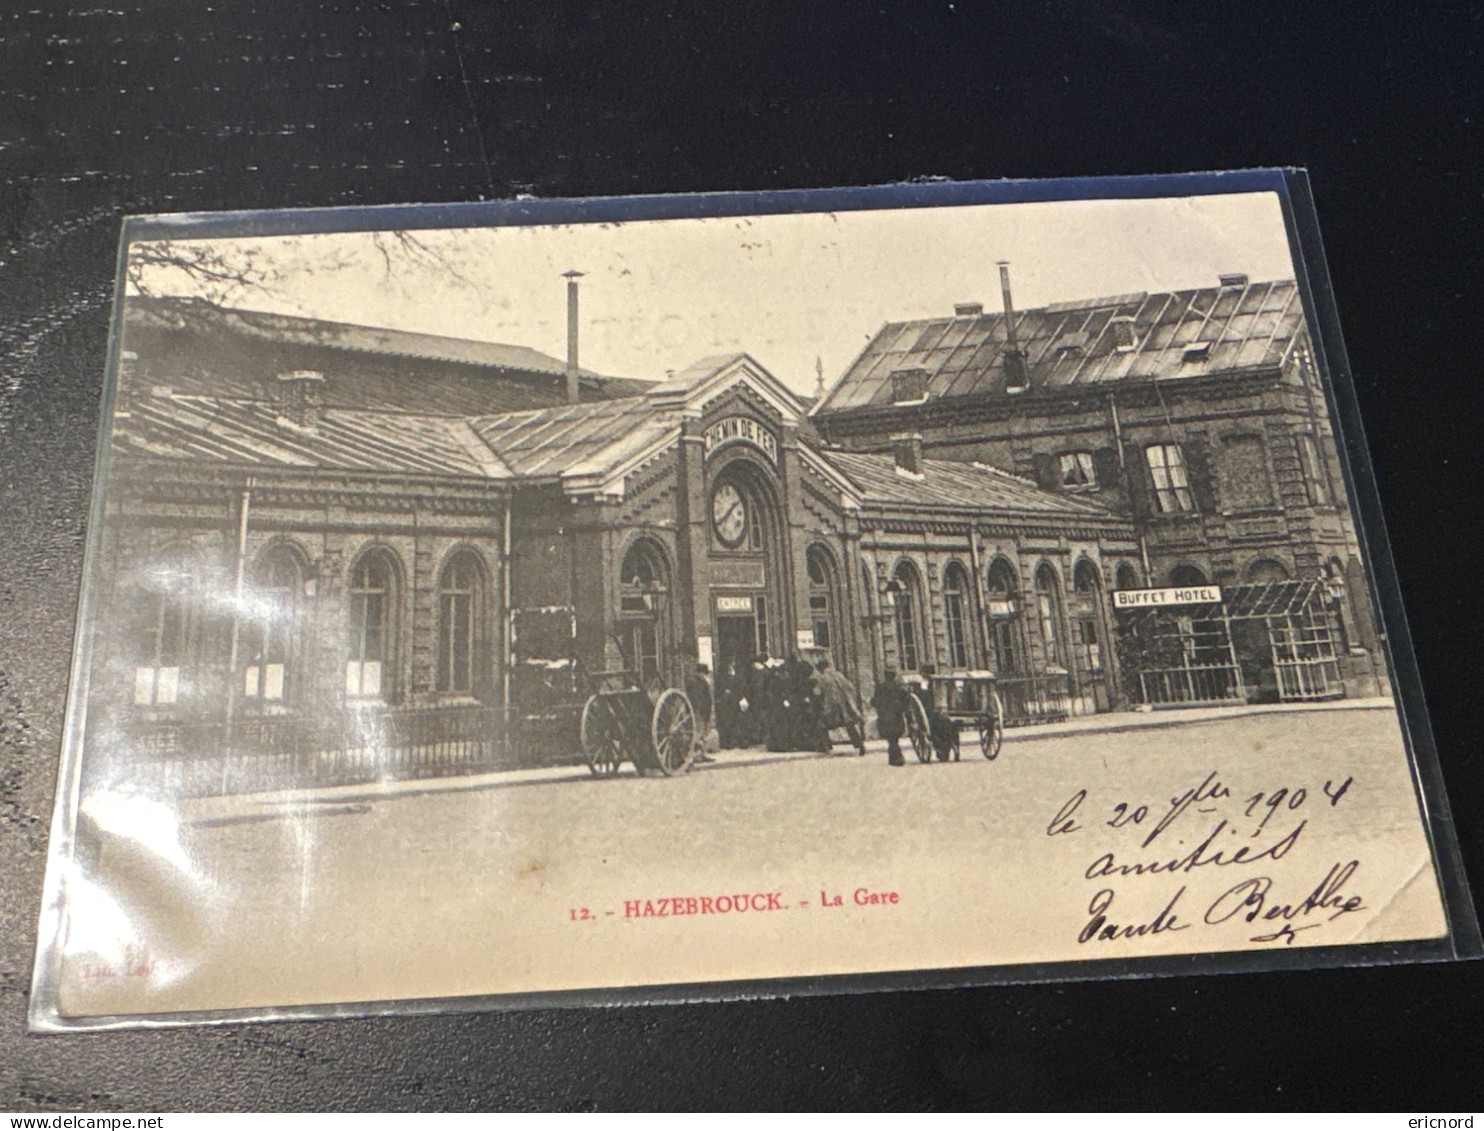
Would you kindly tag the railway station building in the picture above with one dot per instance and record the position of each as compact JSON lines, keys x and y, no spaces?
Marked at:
{"x":299,"y":583}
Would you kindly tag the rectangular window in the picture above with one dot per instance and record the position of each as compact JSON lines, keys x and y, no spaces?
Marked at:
{"x":760,"y":612}
{"x":1091,"y":651}
{"x":907,"y":630}
{"x":265,"y":682}
{"x":1121,"y":330}
{"x":1077,"y":469}
{"x":953,"y":615}
{"x":162,"y":646}
{"x":643,"y":650}
{"x":267,"y":647}
{"x":363,"y":679}
{"x":456,"y":641}
{"x":1046,"y":604}
{"x":1316,"y":475}
{"x":363,"y":670}
{"x":1002,"y":640}
{"x":908,"y":386}
{"x":154,"y":686}
{"x":819,"y":613}
{"x":1171,"y":483}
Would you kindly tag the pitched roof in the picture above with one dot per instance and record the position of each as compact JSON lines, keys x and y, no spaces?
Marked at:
{"x":574,"y":439}
{"x":442,"y":374}
{"x":1173,"y":335}
{"x":952,"y":485}
{"x":214,"y":430}
{"x":585,"y":445}
{"x":595,"y":438}
{"x":582,"y":445}
{"x":169,"y":312}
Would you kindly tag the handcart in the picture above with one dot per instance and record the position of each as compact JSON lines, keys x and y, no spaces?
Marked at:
{"x":621,"y":721}
{"x":950,"y":704}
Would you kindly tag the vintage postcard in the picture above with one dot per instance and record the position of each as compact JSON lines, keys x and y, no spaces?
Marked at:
{"x":699,"y":597}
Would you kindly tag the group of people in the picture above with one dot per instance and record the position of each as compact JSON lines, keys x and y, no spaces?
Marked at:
{"x":794,"y":705}
{"x":786,"y":705}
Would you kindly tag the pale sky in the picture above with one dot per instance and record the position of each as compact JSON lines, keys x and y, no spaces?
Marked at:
{"x":659,"y":294}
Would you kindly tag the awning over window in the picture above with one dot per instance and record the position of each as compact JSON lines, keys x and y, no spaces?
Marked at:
{"x":1274,"y":599}
{"x":1246,"y":602}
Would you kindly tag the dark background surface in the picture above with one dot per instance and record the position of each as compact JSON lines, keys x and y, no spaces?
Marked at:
{"x":168,"y":106}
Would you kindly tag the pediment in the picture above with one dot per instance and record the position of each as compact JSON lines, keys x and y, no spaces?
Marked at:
{"x":697,"y":388}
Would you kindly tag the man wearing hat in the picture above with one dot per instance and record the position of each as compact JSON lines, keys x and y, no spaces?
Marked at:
{"x":835,"y":702}
{"x":890,"y":701}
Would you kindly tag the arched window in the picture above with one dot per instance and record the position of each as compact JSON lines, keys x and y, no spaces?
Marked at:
{"x":644,"y":588}
{"x":910,"y":647}
{"x":1003,"y":613}
{"x":1087,"y":645}
{"x":1265,"y":571}
{"x":956,"y":606}
{"x":460,"y":611}
{"x":369,"y":667}
{"x":823,"y":597}
{"x":1187,"y":575}
{"x":1048,"y":607}
{"x":1127,"y":577}
{"x":276,"y":619}
{"x":1085,"y":579}
{"x":162,"y":631}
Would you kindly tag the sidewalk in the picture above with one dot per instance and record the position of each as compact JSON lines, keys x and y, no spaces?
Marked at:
{"x":333,"y":800}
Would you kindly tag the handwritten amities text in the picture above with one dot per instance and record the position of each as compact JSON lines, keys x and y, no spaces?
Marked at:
{"x":1202,"y":828}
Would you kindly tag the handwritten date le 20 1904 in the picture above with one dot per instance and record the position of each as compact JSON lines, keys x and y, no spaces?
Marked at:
{"x":1269,"y":825}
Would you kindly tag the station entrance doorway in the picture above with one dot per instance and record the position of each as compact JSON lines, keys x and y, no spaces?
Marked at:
{"x":741,"y":630}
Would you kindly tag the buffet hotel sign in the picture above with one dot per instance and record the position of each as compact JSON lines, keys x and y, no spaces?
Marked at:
{"x":1161,"y":598}
{"x":741,"y":430}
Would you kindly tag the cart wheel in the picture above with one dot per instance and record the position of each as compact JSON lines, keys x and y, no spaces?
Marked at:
{"x":673,"y":729}
{"x":602,"y":736}
{"x":917,"y":730}
{"x":992,"y":729}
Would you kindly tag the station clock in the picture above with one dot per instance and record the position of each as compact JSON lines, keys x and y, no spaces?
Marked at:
{"x":729,"y":515}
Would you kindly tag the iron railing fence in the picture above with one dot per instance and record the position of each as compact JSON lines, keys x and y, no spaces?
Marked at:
{"x":1192,"y":685}
{"x":255,"y":753}
{"x":1031,"y":699}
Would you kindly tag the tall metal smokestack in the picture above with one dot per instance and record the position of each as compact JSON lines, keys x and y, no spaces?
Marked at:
{"x":1017,"y":377}
{"x":1004,"y":265}
{"x":572,"y":371}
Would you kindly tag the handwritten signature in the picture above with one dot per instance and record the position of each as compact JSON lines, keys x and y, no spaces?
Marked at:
{"x":1251,"y":901}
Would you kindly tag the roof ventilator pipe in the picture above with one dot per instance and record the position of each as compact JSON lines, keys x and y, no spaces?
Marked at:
{"x":573,"y":383}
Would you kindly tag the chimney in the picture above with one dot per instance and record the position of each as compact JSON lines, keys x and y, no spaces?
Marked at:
{"x":968,"y":309}
{"x":573,"y":391}
{"x":300,"y":397}
{"x":906,"y":451}
{"x":1017,"y":377}
{"x":1233,"y":280}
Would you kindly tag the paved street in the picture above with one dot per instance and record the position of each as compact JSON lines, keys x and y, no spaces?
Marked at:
{"x":1135,"y":841}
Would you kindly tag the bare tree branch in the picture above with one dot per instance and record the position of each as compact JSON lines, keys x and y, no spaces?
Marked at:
{"x":224,"y":273}
{"x":207,"y":271}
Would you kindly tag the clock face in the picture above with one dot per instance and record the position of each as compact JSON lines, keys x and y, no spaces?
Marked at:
{"x":729,"y":515}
